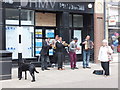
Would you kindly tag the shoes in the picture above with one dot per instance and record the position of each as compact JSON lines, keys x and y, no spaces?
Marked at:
{"x":47,"y":69}
{"x":88,"y":67}
{"x":62,"y":69}
{"x":72,"y":68}
{"x":59,"y":68}
{"x":42,"y":69}
{"x":84,"y":67}
{"x":76,"y":68}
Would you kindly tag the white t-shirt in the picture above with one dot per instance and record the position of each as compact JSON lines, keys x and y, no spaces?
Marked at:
{"x":103,"y":53}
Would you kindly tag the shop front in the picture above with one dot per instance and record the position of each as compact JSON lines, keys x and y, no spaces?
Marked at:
{"x":27,"y":24}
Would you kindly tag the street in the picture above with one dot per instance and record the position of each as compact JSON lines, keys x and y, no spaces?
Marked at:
{"x":79,"y":78}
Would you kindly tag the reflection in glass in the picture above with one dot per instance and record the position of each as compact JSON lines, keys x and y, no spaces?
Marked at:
{"x":27,"y":17}
{"x":77,"y":20}
{"x":12,"y":16}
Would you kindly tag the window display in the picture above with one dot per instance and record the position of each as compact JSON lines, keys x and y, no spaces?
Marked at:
{"x":49,"y":33}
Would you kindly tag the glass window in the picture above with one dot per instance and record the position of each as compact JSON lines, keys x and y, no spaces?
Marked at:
{"x":77,"y":20}
{"x":45,"y":19}
{"x":70,"y":20}
{"x":1,"y":16}
{"x":12,"y":16}
{"x":27,"y":41}
{"x":27,"y":17}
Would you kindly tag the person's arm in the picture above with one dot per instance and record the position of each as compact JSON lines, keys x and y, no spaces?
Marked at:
{"x":45,"y":44}
{"x":84,"y":42}
{"x":110,"y":51}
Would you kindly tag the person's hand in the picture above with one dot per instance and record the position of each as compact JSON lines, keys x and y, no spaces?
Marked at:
{"x":78,"y":48}
{"x":108,"y":53}
{"x":63,"y":42}
{"x":51,"y":44}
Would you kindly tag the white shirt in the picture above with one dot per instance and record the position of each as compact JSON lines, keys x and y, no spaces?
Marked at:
{"x":103,"y":53}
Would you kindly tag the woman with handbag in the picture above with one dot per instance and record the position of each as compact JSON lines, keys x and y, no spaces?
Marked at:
{"x":105,"y":56}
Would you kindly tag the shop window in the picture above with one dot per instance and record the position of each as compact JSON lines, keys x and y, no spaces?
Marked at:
{"x":27,"y":41}
{"x":45,"y":19}
{"x":12,"y":16}
{"x":27,"y":17}
{"x":1,"y":16}
{"x":77,"y":21}
{"x":70,"y":20}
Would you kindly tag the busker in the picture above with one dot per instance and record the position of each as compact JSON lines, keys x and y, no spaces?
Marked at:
{"x":60,"y":53}
{"x":72,"y":53}
{"x":45,"y":54}
{"x":87,"y":45}
{"x":54,"y":62}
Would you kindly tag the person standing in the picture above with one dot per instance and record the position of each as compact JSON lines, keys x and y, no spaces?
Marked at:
{"x":45,"y":54}
{"x":54,"y":50}
{"x":87,"y":45}
{"x":60,"y":53}
{"x":72,"y":53}
{"x":104,"y":56}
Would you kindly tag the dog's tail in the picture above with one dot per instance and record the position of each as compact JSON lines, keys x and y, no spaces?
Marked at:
{"x":36,"y":71}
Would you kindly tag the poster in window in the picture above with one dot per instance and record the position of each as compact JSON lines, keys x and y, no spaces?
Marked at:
{"x":37,"y":51}
{"x":49,"y":33}
{"x":38,"y":33}
{"x":38,"y":42}
{"x":51,"y":52}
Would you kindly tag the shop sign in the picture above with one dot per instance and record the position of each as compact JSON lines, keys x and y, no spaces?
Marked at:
{"x":69,"y":6}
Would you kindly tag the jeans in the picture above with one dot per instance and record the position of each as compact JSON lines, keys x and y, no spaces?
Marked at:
{"x":73,"y":59}
{"x":86,"y":58}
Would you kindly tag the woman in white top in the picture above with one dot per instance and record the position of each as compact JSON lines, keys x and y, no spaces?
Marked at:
{"x":104,"y":56}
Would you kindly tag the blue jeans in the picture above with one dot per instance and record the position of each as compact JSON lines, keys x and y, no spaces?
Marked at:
{"x":86,"y":58}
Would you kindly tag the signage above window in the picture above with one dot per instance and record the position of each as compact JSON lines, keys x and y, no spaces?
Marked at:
{"x":71,"y":6}
{"x":52,"y":5}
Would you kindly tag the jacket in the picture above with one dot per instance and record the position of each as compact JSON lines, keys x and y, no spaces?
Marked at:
{"x":45,"y":48}
{"x":103,"y":53}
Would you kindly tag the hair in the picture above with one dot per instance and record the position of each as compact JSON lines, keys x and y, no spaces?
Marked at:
{"x":75,"y":38}
{"x":105,"y":41}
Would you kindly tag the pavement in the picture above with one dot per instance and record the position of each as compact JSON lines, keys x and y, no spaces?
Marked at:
{"x":79,"y":78}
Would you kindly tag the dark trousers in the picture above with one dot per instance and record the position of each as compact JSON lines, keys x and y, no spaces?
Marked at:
{"x":105,"y":66}
{"x":60,"y":59}
{"x":54,"y":58}
{"x":44,"y":60}
{"x":73,"y":59}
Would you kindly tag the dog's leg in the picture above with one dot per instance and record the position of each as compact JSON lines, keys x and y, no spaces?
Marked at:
{"x":25,"y":75}
{"x":33,"y":76}
{"x":20,"y":75}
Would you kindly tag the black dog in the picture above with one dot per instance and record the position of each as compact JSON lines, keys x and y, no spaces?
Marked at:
{"x":27,"y":67}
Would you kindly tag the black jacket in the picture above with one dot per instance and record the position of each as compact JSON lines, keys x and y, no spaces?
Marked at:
{"x":45,"y":48}
{"x":60,"y":47}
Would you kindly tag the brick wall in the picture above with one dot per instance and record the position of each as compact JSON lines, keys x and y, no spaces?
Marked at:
{"x":98,"y":34}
